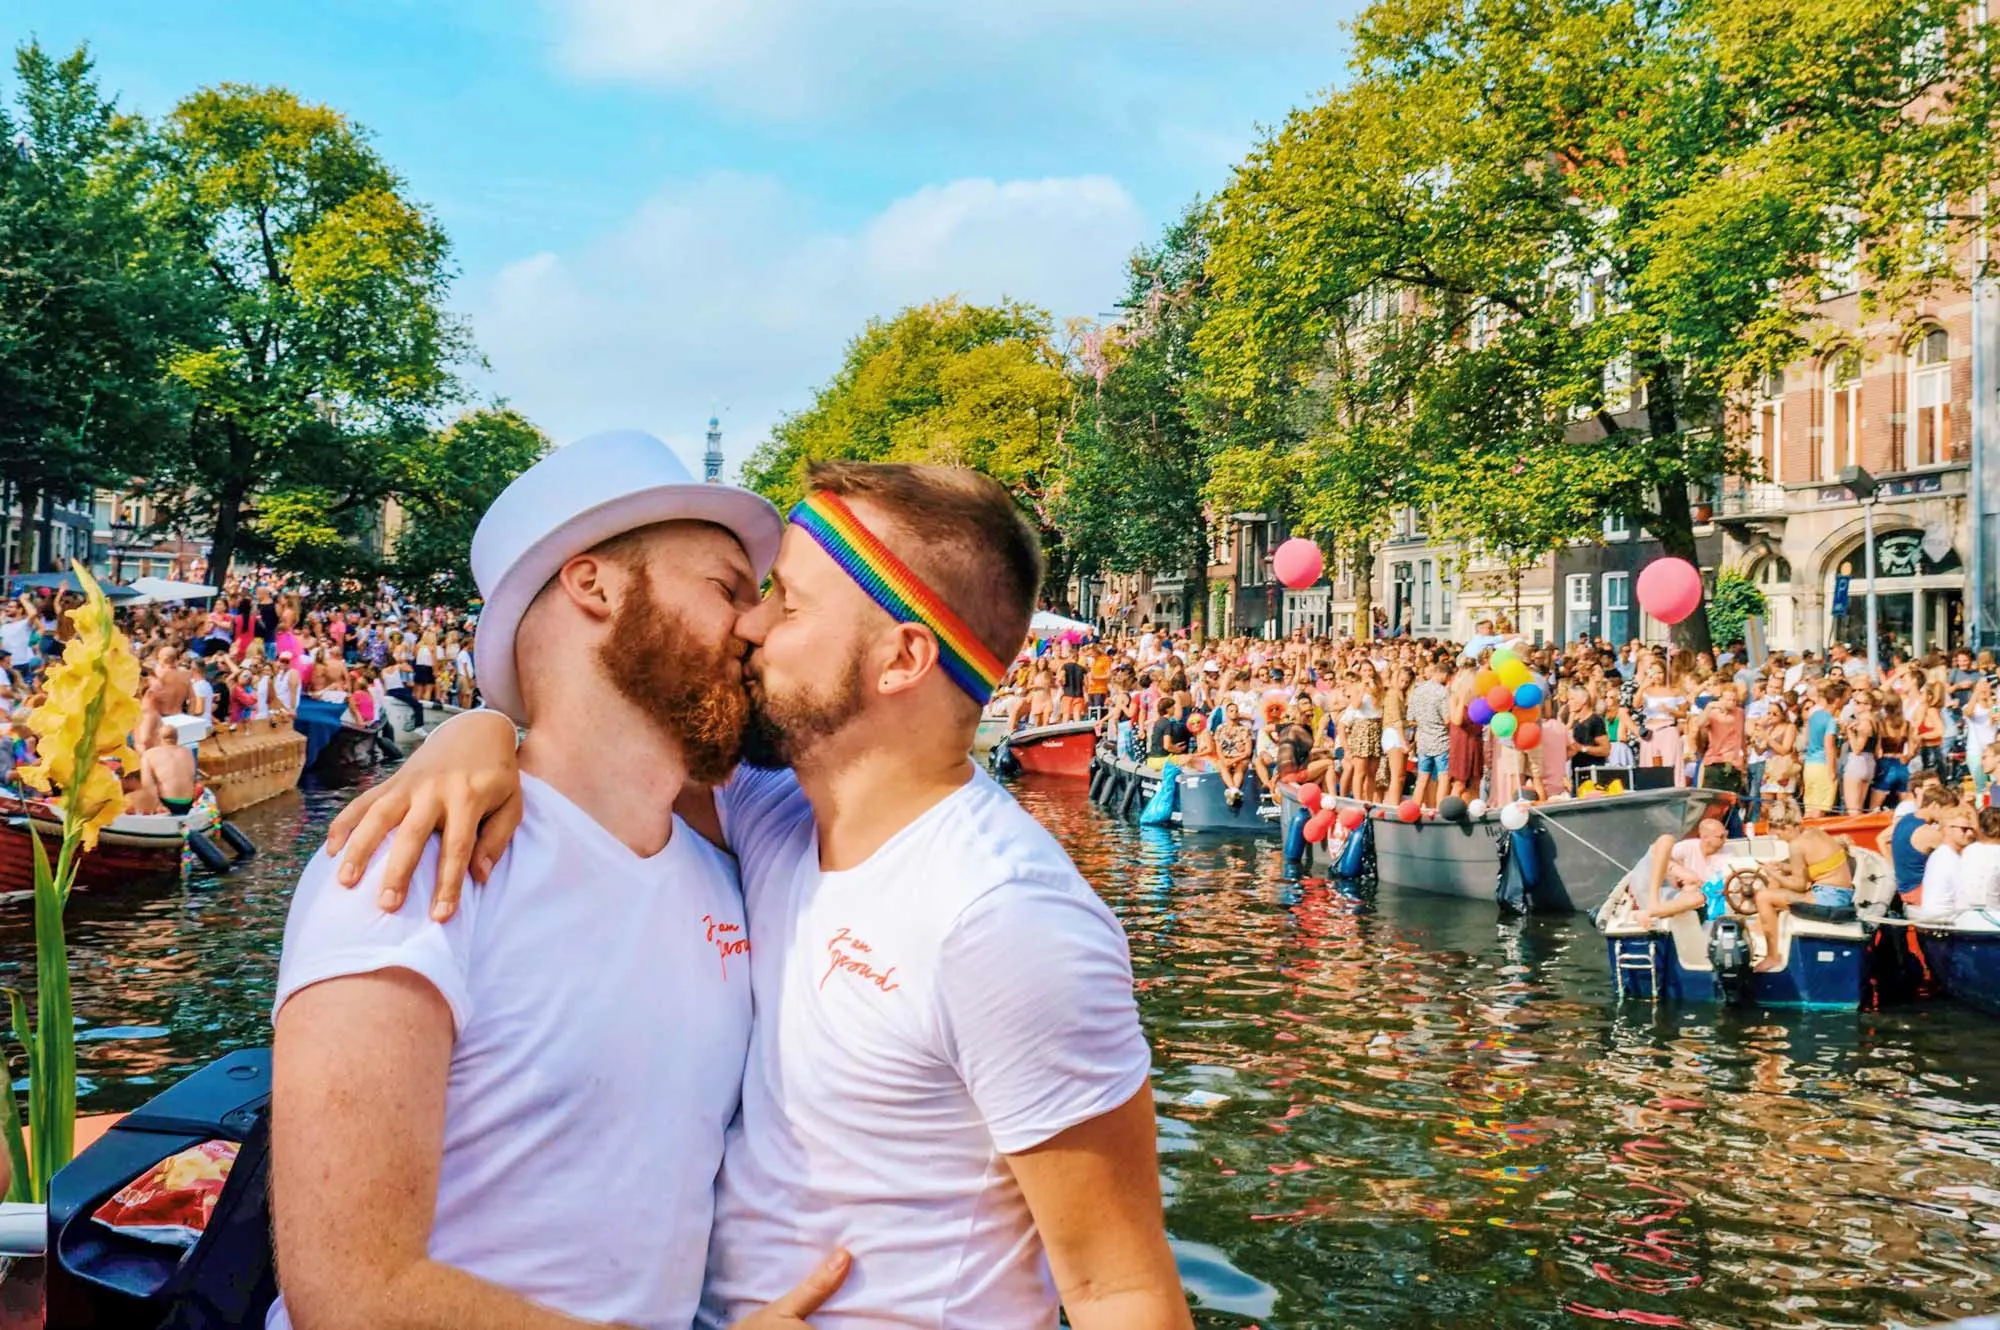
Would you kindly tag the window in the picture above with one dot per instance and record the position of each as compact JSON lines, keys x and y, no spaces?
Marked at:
{"x":1767,"y":447}
{"x":1774,"y":575}
{"x":1579,"y":593}
{"x":1617,"y":526}
{"x":1444,"y":598}
{"x":1840,"y":446}
{"x":1927,"y":441}
{"x":1617,"y":607}
{"x":1425,"y":572}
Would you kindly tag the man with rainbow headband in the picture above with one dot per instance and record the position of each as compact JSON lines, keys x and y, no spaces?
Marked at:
{"x":946,"y":1075}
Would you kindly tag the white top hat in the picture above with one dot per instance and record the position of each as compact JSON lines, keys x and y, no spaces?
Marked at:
{"x":574,"y":499}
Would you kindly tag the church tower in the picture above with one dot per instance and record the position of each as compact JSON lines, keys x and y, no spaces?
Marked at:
{"x":711,"y":461}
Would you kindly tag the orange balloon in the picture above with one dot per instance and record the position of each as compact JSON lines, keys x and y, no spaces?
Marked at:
{"x":1528,"y":736}
{"x":1527,"y":715}
{"x":1486,"y":681}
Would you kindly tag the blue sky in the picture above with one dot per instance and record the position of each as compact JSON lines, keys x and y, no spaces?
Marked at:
{"x":663,"y":208}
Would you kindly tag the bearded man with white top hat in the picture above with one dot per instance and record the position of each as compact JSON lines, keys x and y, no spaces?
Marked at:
{"x":947,"y":1076}
{"x":514,"y":1117}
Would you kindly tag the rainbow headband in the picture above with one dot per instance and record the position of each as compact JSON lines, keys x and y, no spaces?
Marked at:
{"x":890,"y":584}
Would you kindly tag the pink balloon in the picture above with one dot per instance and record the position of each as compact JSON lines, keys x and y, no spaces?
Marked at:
{"x":1669,"y":589}
{"x":1297,"y":563}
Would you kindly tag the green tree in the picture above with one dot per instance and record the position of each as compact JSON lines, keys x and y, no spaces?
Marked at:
{"x":325,"y":348}
{"x":1137,"y":456}
{"x":88,"y":298}
{"x":1734,"y":599}
{"x":947,"y":383}
{"x":448,"y":483}
{"x":1620,"y":214}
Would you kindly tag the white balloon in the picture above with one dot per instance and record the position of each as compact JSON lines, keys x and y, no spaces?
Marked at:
{"x":1514,"y":816}
{"x":1477,"y":808}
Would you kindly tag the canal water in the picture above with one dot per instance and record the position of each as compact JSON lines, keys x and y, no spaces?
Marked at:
{"x":1374,"y":1111}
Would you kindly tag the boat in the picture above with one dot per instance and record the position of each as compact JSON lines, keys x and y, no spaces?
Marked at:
{"x":338,"y":747}
{"x":1568,"y":858}
{"x":992,"y":729}
{"x":135,"y":848}
{"x":248,"y":763}
{"x":1826,"y":951}
{"x":1062,"y":749}
{"x":407,"y":730}
{"x":100,"y":1276}
{"x":1125,"y":786}
{"x":1962,"y":955}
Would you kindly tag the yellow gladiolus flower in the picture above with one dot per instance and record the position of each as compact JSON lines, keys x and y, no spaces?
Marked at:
{"x":89,"y":715}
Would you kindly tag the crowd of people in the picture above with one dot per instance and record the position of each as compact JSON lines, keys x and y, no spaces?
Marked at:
{"x":1389,"y":719}
{"x":260,"y":647}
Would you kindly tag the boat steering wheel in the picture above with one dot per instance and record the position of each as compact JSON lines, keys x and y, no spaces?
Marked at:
{"x":1740,"y":889}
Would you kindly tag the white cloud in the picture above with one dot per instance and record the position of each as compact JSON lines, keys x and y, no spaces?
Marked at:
{"x":788,"y":58}
{"x":722,"y":295}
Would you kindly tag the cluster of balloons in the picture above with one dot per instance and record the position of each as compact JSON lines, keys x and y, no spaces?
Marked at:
{"x":1509,"y":701}
{"x":1326,"y":816}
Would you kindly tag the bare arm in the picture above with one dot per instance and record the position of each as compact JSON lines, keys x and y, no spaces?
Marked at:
{"x":464,"y":781}
{"x":1094,"y":1193}
{"x":359,"y":1068}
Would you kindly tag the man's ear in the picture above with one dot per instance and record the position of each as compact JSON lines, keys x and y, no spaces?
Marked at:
{"x":585,"y":581}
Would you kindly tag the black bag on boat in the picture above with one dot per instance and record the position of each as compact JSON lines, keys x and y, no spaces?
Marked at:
{"x":230,"y":1277}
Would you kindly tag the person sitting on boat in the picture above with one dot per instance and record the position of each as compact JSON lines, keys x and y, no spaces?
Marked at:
{"x":1686,"y":874}
{"x":1912,"y":838}
{"x":1234,"y":745}
{"x":1979,"y":865}
{"x":1944,"y":894}
{"x":1169,"y":738}
{"x":166,"y":774}
{"x":1816,"y":869}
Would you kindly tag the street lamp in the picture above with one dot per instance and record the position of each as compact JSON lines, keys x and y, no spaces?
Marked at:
{"x":121,"y":534}
{"x":1862,"y":486}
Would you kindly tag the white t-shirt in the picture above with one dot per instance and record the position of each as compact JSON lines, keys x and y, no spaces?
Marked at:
{"x":601,"y":1004}
{"x":205,"y":691}
{"x":1978,"y":876}
{"x":14,"y":635}
{"x":286,"y":689}
{"x":1942,"y":871}
{"x":962,"y":995}
{"x":462,"y":662}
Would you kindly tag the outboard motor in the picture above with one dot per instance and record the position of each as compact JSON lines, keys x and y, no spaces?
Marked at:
{"x":1729,"y":954}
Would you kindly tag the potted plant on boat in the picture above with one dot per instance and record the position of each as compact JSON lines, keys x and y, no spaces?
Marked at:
{"x":91,"y":709}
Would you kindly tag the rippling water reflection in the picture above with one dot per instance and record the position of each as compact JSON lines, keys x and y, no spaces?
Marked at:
{"x":1391,"y":1112}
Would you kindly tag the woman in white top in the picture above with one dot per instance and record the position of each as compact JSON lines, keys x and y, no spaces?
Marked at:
{"x":1982,"y":724}
{"x":1979,"y":865}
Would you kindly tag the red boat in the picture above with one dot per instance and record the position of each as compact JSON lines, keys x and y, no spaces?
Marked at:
{"x":1055,"y":750}
{"x":135,"y":848}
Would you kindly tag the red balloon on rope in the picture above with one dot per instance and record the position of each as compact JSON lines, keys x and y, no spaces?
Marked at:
{"x":1310,"y":796}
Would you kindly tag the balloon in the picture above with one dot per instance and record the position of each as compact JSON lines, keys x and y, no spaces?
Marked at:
{"x":1514,"y":816}
{"x":1526,"y":714}
{"x":1669,"y":589}
{"x":1513,"y":674}
{"x":1528,"y":694}
{"x":1318,"y":825}
{"x":1452,"y":808}
{"x":1352,"y":816}
{"x":1500,"y":697}
{"x":1476,"y":808}
{"x":1502,"y":656}
{"x":1485,"y":682}
{"x":1478,"y":712}
{"x":1409,"y":811}
{"x":1297,"y":563}
{"x":1504,"y":725}
{"x":1528,"y":736}
{"x":1310,"y":795}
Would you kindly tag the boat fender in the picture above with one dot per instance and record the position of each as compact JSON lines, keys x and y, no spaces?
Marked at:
{"x":1100,"y":775}
{"x":1527,"y":857}
{"x":1354,"y":852}
{"x":211,"y":855}
{"x":1159,"y":810}
{"x":1295,"y":836}
{"x":233,"y":836}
